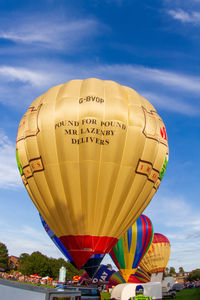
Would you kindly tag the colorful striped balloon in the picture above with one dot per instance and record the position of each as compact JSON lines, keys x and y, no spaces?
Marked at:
{"x":133,"y":245}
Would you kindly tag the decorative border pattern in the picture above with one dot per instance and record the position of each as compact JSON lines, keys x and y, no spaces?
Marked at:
{"x":146,"y":168}
{"x":32,"y":115}
{"x":152,"y":116}
{"x":35,"y":165}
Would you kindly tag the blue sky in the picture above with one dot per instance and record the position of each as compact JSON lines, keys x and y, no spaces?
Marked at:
{"x":151,"y":46}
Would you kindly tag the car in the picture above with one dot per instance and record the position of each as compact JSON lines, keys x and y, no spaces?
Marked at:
{"x":86,"y":292}
{"x":178,"y":287}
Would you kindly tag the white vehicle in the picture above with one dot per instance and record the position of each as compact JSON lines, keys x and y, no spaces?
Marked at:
{"x":178,"y":286}
{"x":167,"y":287}
{"x":14,"y":290}
{"x":126,"y":290}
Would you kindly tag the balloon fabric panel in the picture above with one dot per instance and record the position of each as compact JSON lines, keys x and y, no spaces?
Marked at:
{"x":90,"y":266}
{"x":91,"y":155}
{"x":140,"y":276}
{"x":130,"y":249}
{"x":157,"y":257}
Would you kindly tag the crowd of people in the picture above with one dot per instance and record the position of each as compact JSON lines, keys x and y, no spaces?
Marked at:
{"x":33,"y":279}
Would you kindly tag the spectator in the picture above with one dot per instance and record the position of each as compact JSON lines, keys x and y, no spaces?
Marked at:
{"x":139,"y":294}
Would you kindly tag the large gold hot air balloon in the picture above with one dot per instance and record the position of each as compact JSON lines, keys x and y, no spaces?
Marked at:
{"x":157,"y":257}
{"x":91,"y":154}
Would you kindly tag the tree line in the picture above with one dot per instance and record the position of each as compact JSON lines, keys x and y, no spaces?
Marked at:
{"x":38,"y":263}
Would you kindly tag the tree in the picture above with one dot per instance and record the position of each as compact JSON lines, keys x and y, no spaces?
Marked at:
{"x":24,"y":263}
{"x":181,"y":270}
{"x":166,"y":273}
{"x":34,"y":263}
{"x":3,"y":256}
{"x":194,"y":275}
{"x":172,"y":270}
{"x":45,"y":266}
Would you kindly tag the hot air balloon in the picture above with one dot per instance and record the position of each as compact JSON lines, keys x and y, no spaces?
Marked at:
{"x":91,"y":154}
{"x":105,"y":273}
{"x":130,"y":249}
{"x":156,"y":258}
{"x":90,"y":266}
{"x":140,"y":276}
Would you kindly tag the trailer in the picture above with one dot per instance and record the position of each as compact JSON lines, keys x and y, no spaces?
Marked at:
{"x":126,"y":290}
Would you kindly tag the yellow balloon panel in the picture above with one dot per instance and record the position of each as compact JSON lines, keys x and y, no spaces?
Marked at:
{"x":91,"y":154}
{"x":157,"y":257}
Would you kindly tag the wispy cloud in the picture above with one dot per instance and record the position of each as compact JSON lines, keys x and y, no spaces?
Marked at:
{"x":43,"y":75}
{"x":167,"y":78}
{"x":49,"y":32}
{"x":183,"y":16}
{"x":150,"y":82}
{"x":172,"y":104}
{"x":24,"y":75}
{"x":27,"y":239}
{"x":9,"y":176}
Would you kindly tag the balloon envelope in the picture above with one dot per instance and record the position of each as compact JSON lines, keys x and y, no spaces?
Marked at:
{"x":157,"y":257}
{"x":140,"y":276}
{"x":91,"y":154}
{"x":105,"y":273}
{"x":90,"y":266}
{"x":132,"y":246}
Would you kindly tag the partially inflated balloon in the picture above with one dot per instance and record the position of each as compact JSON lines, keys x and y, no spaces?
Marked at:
{"x":140,"y":276}
{"x":90,"y":266}
{"x":105,"y":273}
{"x":91,"y":154}
{"x":132,"y":246}
{"x":157,"y":257}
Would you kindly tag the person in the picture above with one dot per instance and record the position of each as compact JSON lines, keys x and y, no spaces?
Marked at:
{"x":139,"y":294}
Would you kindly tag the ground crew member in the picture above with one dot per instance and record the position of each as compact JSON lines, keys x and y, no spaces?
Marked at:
{"x":139,"y":294}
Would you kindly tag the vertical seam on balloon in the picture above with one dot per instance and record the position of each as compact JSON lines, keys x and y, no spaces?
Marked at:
{"x":79,"y":149}
{"x":100,"y":157}
{"x":58,"y":160}
{"x":135,"y":232}
{"x":126,"y":252}
{"x":139,"y":236}
{"x":141,"y":189}
{"x":56,"y":149}
{"x":145,"y":234}
{"x":122,"y":203}
{"x":144,"y":204}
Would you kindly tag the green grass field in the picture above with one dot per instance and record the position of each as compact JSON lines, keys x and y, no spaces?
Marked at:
{"x":188,"y":294}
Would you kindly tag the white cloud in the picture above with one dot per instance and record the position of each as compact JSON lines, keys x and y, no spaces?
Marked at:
{"x":28,"y":83}
{"x":167,"y":78}
{"x":9,"y":174}
{"x":27,"y":239}
{"x":49,"y":32}
{"x":185,"y":17}
{"x":172,"y":104}
{"x":24,"y":75}
{"x":38,"y":77}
